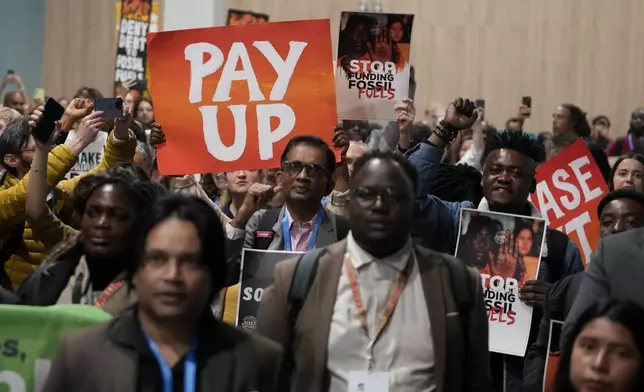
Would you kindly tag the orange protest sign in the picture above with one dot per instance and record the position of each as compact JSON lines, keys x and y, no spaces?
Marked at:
{"x":569,"y":188}
{"x":230,"y":98}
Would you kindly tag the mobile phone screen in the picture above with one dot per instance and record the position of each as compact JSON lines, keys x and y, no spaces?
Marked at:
{"x":111,"y":107}
{"x":53,"y":112}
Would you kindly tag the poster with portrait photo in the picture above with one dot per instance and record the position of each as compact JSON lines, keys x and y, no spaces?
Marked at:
{"x":242,"y":18}
{"x":257,"y":268}
{"x":506,"y":249}
{"x":372,"y":67}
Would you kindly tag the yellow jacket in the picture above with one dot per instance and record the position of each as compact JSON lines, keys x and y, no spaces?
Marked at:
{"x":13,"y":195}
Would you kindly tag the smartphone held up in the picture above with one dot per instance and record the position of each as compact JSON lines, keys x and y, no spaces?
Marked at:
{"x":111,"y":107}
{"x":52,"y":112}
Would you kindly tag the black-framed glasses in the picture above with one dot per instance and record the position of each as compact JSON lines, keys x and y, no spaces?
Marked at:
{"x":313,"y":169}
{"x":367,"y":196}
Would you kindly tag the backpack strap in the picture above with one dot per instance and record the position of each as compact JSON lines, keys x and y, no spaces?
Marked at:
{"x":341,"y":227}
{"x":264,"y":233}
{"x":557,"y":247}
{"x":462,"y":292}
{"x":305,"y":271}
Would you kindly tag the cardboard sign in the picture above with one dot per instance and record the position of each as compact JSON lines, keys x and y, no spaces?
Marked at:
{"x":569,"y":189}
{"x":131,"y":51}
{"x":257,"y":269}
{"x":29,"y":338}
{"x":230,"y":98}
{"x":506,"y":249}
{"x":132,"y":86}
{"x":372,"y":70}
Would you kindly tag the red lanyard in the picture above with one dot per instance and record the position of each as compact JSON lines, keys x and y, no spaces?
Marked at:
{"x":390,"y":306}
{"x":107,"y":293}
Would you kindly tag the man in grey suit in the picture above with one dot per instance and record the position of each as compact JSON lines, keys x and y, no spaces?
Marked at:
{"x":615,"y":271}
{"x":170,"y":339}
{"x":302,"y":223}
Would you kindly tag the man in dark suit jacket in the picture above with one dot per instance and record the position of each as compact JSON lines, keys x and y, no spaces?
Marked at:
{"x":422,"y":345}
{"x":615,"y":271}
{"x":170,"y":339}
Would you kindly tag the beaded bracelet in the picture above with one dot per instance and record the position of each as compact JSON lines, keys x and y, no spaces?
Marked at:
{"x":446,"y":132}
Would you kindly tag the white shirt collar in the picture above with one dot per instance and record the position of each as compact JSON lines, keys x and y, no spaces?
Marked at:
{"x":360,"y":257}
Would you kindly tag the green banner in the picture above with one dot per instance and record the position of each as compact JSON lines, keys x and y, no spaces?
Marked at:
{"x":29,"y":337}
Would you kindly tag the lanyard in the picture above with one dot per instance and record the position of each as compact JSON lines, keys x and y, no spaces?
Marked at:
{"x":390,"y":305}
{"x":189,"y":372}
{"x":630,"y":142}
{"x":286,"y":231}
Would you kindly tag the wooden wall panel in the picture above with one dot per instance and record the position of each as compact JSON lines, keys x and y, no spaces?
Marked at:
{"x":583,"y":51}
{"x":80,"y":48}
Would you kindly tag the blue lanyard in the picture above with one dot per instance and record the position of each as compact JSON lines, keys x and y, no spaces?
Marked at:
{"x":189,"y":371}
{"x":630,"y":142}
{"x":286,"y":231}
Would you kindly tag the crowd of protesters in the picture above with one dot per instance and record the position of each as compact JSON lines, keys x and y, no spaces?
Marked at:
{"x":162,"y":254}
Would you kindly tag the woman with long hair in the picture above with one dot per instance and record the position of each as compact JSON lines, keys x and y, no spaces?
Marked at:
{"x":604,"y":350}
{"x":627,"y":173}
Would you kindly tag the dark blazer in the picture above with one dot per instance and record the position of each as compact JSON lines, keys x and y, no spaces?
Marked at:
{"x":615,"y":271}
{"x":105,"y":358}
{"x":455,"y":369}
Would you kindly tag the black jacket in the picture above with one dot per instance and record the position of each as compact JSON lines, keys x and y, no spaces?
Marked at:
{"x":558,"y":303}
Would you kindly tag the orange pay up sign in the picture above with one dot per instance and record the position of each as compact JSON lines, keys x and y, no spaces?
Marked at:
{"x":569,"y":189}
{"x":230,"y":98}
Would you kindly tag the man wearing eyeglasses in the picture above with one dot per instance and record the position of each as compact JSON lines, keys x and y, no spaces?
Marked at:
{"x":302,"y":224}
{"x":381,"y":312}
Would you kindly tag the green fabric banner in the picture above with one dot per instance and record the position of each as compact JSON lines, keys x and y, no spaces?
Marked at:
{"x":29,"y":337}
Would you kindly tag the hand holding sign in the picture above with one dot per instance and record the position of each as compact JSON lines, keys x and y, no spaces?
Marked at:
{"x":534,"y":292}
{"x":157,"y":136}
{"x":406,"y":114}
{"x":341,"y":141}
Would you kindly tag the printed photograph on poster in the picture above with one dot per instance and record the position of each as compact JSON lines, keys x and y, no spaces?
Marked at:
{"x":372,"y":67}
{"x":257,"y":269}
{"x":506,"y":249}
{"x":242,"y":18}
{"x":131,"y":51}
{"x":554,"y":354}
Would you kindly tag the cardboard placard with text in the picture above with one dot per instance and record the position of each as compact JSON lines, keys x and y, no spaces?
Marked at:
{"x":372,"y":70}
{"x":230,"y":98}
{"x":569,"y":188}
{"x":506,"y":249}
